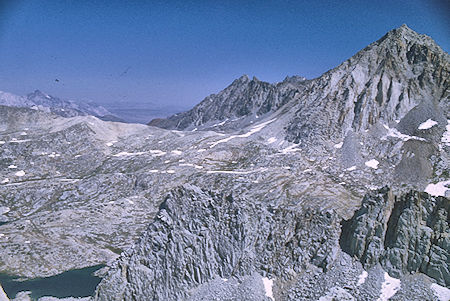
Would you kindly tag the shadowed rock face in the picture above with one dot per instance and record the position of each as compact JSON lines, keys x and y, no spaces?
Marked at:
{"x":203,"y":245}
{"x":199,"y":236}
{"x":406,"y":234}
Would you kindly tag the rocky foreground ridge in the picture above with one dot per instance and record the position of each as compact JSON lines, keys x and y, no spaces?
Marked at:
{"x":200,"y":241}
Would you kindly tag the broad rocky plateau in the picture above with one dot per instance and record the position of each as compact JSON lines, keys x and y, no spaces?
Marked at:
{"x":333,"y":188}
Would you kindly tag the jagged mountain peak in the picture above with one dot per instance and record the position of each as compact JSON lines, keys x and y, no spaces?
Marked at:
{"x":379,"y":84}
{"x":401,"y":45}
{"x":38,"y":93}
{"x":406,"y":33}
{"x":245,"y":99}
{"x":242,"y":79}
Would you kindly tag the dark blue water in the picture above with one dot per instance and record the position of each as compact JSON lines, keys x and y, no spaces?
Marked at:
{"x":74,"y":283}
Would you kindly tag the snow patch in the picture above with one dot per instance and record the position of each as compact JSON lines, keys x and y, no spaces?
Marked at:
{"x":12,"y":166}
{"x":2,"y":142}
{"x":352,"y":168}
{"x":339,"y":145}
{"x":186,"y":164}
{"x":177,"y":152}
{"x":252,"y":131}
{"x":171,"y":171}
{"x":111,"y":143}
{"x":271,"y":140}
{"x":14,"y":140}
{"x":20,"y":173}
{"x":268,"y":284}
{"x":235,"y":172}
{"x":437,"y":189}
{"x":427,"y":124}
{"x":372,"y":164}
{"x":220,"y":123}
{"x":23,"y":134}
{"x":396,"y":134}
{"x":126,"y":154}
{"x":389,"y":287}
{"x":157,"y":152}
{"x":4,"y":181}
{"x":201,"y":150}
{"x":362,"y":278}
{"x":442,"y":293}
{"x":54,"y":155}
{"x":290,"y":149}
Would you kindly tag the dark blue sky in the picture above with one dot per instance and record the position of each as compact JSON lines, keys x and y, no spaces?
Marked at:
{"x":178,"y":52}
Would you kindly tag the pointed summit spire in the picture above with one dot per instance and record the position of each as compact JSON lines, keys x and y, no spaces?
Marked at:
{"x":244,"y":78}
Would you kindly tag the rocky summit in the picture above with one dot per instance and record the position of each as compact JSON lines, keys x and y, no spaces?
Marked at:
{"x":333,"y":188}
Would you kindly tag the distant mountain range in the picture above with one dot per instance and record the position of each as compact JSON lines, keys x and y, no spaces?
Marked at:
{"x":41,"y":101}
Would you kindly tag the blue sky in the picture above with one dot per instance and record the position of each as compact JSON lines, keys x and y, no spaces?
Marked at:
{"x":178,"y":52}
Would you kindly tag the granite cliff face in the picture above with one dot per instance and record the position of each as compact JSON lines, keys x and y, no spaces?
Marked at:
{"x":197,"y":237}
{"x":238,"y":104}
{"x":380,"y":84}
{"x":200,"y":240}
{"x":406,"y":234}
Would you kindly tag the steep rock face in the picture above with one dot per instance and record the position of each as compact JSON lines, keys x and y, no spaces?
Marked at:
{"x":199,"y":236}
{"x":244,"y":97}
{"x":381,"y":83}
{"x":406,"y":234}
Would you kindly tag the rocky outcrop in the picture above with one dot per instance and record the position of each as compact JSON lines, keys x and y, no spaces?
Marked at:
{"x":244,"y":97}
{"x":199,"y":236}
{"x":406,"y":234}
{"x":381,"y":83}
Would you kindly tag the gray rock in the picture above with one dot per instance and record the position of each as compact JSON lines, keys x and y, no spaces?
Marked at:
{"x":406,"y":234}
{"x":199,"y":236}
